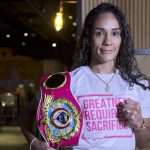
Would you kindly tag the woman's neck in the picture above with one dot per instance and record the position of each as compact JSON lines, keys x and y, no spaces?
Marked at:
{"x":103,"y":68}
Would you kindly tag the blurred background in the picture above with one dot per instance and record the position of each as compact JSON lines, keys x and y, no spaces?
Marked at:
{"x":32,"y":43}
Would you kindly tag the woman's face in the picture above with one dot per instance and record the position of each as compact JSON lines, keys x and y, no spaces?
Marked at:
{"x":105,"y":39}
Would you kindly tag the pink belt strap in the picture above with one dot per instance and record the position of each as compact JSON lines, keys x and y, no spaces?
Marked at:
{"x":59,"y":115}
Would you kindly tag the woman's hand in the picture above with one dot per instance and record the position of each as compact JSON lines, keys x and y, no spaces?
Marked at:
{"x":40,"y":145}
{"x":132,"y":112}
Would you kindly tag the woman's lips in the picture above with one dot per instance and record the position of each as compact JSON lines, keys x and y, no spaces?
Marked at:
{"x":106,"y":51}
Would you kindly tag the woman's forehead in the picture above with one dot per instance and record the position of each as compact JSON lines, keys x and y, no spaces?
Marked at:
{"x":106,"y":20}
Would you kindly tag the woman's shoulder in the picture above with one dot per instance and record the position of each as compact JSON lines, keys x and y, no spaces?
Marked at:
{"x":78,"y":71}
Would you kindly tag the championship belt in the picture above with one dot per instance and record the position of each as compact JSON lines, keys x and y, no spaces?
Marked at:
{"x":59,"y":115}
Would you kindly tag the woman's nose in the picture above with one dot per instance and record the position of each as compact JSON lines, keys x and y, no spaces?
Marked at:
{"x":107,"y":40}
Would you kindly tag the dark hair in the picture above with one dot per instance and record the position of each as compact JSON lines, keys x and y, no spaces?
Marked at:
{"x":125,"y":61}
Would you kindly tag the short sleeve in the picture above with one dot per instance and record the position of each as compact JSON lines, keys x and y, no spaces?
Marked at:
{"x":145,"y":103}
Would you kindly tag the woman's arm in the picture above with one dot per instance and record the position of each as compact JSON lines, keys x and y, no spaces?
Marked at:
{"x":143,"y":135}
{"x":27,"y":120}
{"x":139,"y":125}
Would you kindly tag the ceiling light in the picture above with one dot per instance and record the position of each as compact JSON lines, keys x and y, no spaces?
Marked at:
{"x":7,"y":35}
{"x":25,"y":34}
{"x":23,"y":43}
{"x":54,"y":45}
{"x":73,"y":35}
{"x":70,"y":17}
{"x":31,"y":84}
{"x":3,"y":104}
{"x":74,"y":23}
{"x":8,"y":94}
{"x":58,"y":23}
{"x":20,"y":86}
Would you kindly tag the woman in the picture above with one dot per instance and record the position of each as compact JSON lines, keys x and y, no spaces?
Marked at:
{"x":114,"y":96}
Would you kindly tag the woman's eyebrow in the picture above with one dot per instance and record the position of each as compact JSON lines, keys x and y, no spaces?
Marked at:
{"x":104,"y":28}
{"x":116,"y":29}
{"x":99,"y":28}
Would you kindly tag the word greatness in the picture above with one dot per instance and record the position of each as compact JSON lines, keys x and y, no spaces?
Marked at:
{"x":101,"y":113}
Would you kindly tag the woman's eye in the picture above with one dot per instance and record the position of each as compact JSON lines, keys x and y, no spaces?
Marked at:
{"x":101,"y":34}
{"x":116,"y":33}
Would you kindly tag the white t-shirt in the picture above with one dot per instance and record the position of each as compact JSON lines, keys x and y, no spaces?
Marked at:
{"x":101,"y":128}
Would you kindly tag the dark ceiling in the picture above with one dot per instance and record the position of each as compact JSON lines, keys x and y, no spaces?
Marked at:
{"x":36,"y":17}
